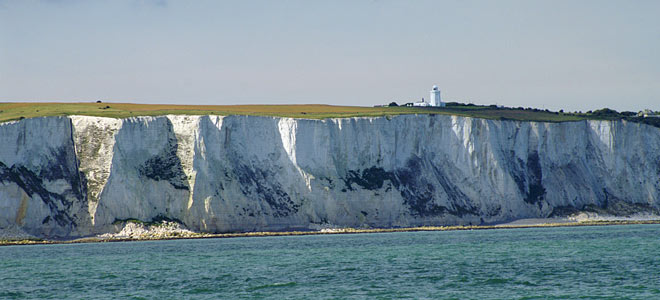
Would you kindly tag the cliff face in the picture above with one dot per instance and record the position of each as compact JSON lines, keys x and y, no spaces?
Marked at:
{"x":76,"y":176}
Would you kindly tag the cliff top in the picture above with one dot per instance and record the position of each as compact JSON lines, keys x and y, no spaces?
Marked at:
{"x":17,"y":111}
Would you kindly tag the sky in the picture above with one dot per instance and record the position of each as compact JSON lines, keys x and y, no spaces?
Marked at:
{"x":572,"y":55}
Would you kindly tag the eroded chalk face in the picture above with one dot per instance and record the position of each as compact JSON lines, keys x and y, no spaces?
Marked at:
{"x":42,"y":189}
{"x":78,"y":176}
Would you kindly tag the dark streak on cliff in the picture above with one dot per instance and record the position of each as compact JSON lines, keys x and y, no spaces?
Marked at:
{"x":535,"y":189}
{"x":419,"y":193}
{"x":263,"y":186}
{"x":32,"y":184}
{"x":370,"y":179}
{"x":166,"y":166}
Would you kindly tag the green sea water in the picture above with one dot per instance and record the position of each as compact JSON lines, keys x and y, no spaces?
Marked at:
{"x":603,"y":262}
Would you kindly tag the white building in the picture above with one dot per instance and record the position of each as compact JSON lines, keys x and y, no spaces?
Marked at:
{"x":647,"y":113}
{"x":435,"y":100}
{"x":421,"y":103}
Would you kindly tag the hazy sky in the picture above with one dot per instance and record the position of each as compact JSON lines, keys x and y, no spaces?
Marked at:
{"x":573,"y":55}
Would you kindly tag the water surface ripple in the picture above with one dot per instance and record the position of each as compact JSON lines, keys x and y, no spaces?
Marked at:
{"x":603,"y":262}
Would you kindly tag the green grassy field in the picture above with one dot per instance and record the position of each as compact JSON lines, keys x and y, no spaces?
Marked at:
{"x":17,"y":111}
{"x":14,"y":111}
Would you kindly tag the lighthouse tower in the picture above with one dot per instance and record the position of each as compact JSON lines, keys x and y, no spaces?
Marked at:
{"x":435,"y":99}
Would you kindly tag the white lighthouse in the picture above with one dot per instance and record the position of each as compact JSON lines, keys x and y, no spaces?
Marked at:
{"x":435,"y":99}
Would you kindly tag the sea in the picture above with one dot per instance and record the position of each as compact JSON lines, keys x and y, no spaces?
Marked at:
{"x":599,"y":262}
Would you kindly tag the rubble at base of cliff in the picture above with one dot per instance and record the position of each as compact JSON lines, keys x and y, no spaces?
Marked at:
{"x":15,"y":234}
{"x":140,"y":231}
{"x":592,"y":216}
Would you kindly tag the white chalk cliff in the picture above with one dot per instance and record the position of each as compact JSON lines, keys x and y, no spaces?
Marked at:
{"x":63,"y":177}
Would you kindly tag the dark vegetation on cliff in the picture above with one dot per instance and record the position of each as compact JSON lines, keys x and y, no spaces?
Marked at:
{"x":33,"y":184}
{"x":17,"y":111}
{"x":417,"y":192}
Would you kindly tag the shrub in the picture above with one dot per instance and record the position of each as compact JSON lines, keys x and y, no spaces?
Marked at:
{"x":606,"y":112}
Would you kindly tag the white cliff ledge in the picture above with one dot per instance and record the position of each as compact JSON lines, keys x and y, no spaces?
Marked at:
{"x":63,"y":177}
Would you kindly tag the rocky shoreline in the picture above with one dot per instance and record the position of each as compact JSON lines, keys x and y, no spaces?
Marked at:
{"x":170,"y":230}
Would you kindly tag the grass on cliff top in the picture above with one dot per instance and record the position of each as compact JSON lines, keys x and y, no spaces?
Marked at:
{"x":17,"y":111}
{"x":14,"y":111}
